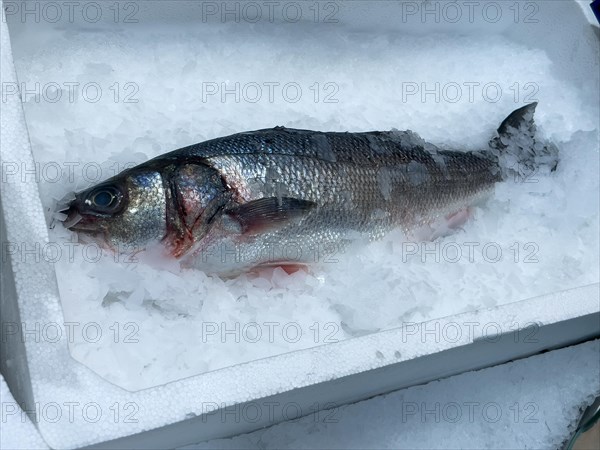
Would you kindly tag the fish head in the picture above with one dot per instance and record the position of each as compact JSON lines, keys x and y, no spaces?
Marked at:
{"x":124,"y":213}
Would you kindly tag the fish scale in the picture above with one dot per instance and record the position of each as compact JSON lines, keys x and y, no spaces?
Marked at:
{"x":429,"y":188}
{"x":249,"y":199}
{"x":346,"y":186}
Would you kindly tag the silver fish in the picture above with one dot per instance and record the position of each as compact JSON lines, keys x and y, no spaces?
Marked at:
{"x":286,"y":196}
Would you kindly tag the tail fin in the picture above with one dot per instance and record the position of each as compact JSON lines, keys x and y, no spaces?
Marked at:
{"x":518,"y":149}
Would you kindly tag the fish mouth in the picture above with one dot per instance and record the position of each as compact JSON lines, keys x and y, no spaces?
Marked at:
{"x":88,"y":228}
{"x":72,"y":219}
{"x":75,"y":221}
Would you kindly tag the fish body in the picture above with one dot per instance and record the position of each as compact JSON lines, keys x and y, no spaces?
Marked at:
{"x":281,"y":196}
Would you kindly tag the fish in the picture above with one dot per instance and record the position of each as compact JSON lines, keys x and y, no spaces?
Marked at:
{"x":289,"y":197}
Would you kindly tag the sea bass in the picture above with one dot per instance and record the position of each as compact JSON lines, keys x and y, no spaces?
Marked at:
{"x":280,"y":196}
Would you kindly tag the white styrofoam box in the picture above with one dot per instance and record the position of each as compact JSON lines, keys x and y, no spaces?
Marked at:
{"x":16,"y":430}
{"x":76,"y":407}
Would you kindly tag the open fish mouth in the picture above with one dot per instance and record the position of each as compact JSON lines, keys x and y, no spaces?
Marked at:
{"x":67,"y":213}
{"x":74,"y":221}
{"x":61,"y":209}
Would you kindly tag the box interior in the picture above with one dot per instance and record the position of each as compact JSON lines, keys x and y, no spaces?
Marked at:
{"x":167,"y":61}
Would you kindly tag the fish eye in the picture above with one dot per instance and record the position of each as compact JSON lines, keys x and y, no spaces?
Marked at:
{"x":104,"y":199}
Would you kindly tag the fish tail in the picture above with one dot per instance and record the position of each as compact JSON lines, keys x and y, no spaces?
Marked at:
{"x":519,"y":150}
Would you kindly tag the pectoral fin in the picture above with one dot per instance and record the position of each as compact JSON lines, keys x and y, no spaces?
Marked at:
{"x":266,"y":214}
